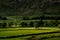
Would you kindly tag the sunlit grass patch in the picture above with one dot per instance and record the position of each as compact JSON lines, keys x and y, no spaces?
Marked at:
{"x":21,"y":32}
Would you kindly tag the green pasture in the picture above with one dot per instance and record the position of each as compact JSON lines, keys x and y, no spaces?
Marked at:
{"x":14,"y":32}
{"x":56,"y":36}
{"x":53,"y":39}
{"x":6,"y":32}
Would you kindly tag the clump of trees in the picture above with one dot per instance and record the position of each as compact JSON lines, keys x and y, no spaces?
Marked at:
{"x":40,"y":23}
{"x":24,"y":24}
{"x":3,"y":18}
{"x":51,"y":23}
{"x":3,"y":25}
{"x":36,"y":24}
{"x":6,"y":25}
{"x":31,"y":24}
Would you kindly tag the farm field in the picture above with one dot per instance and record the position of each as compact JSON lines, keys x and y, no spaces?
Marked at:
{"x":15,"y":32}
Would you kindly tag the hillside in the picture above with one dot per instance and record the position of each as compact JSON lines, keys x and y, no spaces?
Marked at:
{"x":29,"y":7}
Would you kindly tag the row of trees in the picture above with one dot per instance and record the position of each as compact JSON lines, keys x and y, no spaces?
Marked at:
{"x":40,"y":23}
{"x":43,"y":17}
{"x":32,"y":24}
{"x":22,"y":24}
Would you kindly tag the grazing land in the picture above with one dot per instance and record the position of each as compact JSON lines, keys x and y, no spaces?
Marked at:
{"x":9,"y":32}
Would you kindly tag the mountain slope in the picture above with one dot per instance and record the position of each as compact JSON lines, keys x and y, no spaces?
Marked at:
{"x":29,"y":7}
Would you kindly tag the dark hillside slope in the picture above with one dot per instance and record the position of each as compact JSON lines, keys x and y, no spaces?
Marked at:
{"x":29,"y":7}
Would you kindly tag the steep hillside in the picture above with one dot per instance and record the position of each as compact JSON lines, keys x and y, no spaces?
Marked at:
{"x":29,"y":7}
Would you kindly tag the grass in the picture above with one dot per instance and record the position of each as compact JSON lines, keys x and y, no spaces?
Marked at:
{"x":53,"y":39}
{"x":54,"y":36}
{"x":5,"y":32}
{"x":14,"y":32}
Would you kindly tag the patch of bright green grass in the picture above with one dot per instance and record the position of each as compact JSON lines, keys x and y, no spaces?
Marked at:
{"x":15,"y":32}
{"x":5,"y":32}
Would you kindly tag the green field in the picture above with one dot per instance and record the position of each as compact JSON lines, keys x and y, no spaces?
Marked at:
{"x":7,"y":32}
{"x":14,"y":32}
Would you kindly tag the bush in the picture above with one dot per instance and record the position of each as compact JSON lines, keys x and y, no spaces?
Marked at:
{"x":51,"y":23}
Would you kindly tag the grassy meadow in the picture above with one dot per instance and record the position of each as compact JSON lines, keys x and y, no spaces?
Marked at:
{"x":7,"y":32}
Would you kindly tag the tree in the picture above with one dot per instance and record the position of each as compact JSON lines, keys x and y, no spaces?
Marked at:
{"x":0,"y":25}
{"x":46,"y":23}
{"x":56,"y":23}
{"x":53,"y":23}
{"x":4,"y":18}
{"x":24,"y":24}
{"x":42,"y":17}
{"x":31,"y":24}
{"x":10,"y":24}
{"x":40,"y":23}
{"x":0,"y":17}
{"x":4,"y":25}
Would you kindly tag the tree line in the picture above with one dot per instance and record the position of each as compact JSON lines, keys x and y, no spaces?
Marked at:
{"x":36,"y":24}
{"x":40,"y":23}
{"x":42,"y":17}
